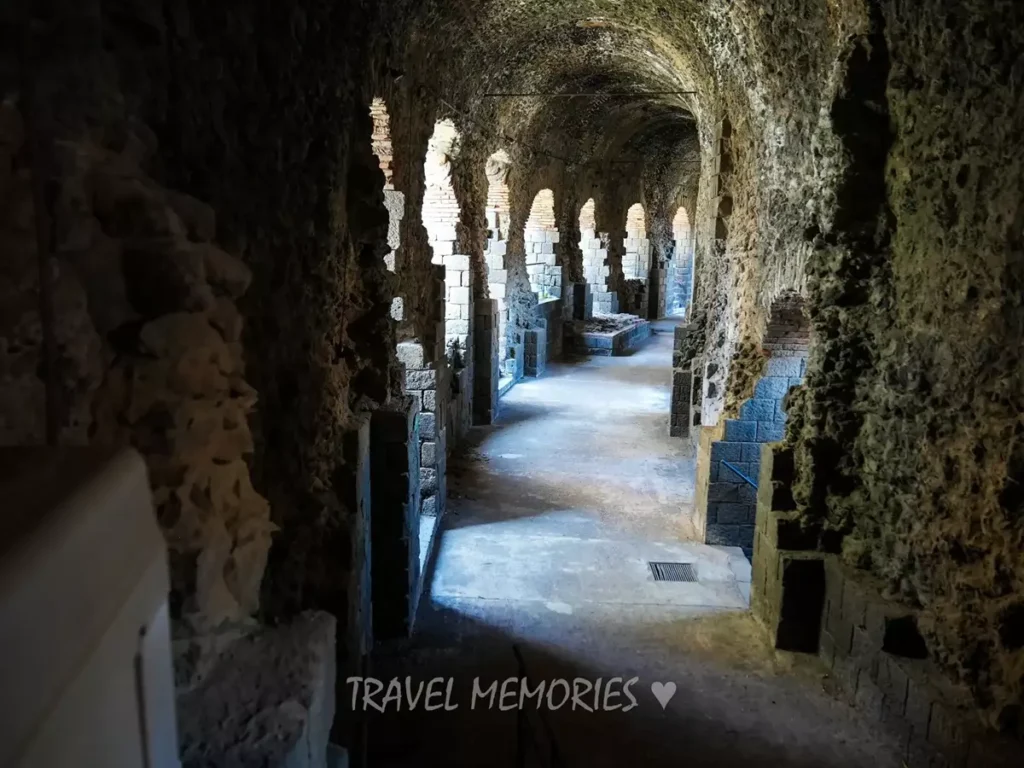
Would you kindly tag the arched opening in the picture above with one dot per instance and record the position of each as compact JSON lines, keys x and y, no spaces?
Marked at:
{"x":680,"y":272}
{"x":541,"y":236}
{"x":441,"y":219}
{"x":595,"y":251}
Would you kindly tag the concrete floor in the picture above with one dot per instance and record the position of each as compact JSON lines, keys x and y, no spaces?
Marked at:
{"x":554,"y":513}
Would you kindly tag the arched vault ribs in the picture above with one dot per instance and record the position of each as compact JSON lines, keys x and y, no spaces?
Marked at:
{"x":541,"y":236}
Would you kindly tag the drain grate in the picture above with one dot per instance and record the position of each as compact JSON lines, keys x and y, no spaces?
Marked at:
{"x":674,"y":571}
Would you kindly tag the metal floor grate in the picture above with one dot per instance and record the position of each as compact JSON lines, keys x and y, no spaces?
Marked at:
{"x":674,"y":571}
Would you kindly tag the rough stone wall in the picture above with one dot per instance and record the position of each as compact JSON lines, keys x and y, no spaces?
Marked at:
{"x":915,"y":466}
{"x":858,"y":152}
{"x":146,"y":329}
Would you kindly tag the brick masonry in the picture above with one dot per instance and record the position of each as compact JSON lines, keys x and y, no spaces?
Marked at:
{"x":542,"y":263}
{"x":809,"y":601}
{"x":735,"y":459}
{"x":686,"y":387}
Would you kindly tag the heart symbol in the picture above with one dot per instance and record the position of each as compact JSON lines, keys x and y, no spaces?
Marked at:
{"x":663,"y":692}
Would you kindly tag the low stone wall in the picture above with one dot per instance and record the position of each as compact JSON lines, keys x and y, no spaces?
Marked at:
{"x":618,"y":343}
{"x":809,"y":601}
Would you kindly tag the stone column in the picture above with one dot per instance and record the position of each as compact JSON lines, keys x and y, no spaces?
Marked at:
{"x":485,"y":363}
{"x":394,"y":480}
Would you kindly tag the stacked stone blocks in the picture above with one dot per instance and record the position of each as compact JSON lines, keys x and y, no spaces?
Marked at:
{"x":685,"y":408}
{"x":731,"y":502}
{"x":485,"y":362}
{"x":497,"y":280}
{"x":542,"y":263}
{"x":809,"y":601}
{"x":535,"y":352}
{"x":597,"y":271}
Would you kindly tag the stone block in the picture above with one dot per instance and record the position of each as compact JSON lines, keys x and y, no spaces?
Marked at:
{"x":729,"y":535}
{"x":770,"y":431}
{"x":740,"y":431}
{"x":758,"y":410}
{"x":428,"y":454}
{"x":723,"y":451}
{"x":458,"y":262}
{"x":427,"y":425}
{"x":733,"y":514}
{"x":410,"y":354}
{"x":458,"y":295}
{"x":771,"y":388}
{"x":428,"y":481}
{"x":783,"y":366}
{"x":424,"y":378}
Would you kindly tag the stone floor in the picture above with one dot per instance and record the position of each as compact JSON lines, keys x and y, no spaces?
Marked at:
{"x":554,"y":514}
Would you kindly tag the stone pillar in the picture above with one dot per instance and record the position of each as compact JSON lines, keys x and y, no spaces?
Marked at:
{"x":787,"y":589}
{"x":459,"y":344}
{"x":485,"y":362}
{"x":458,"y":309}
{"x":497,"y":278}
{"x":535,"y":350}
{"x":542,"y":263}
{"x":598,"y":272}
{"x":355,"y":494}
{"x":394,"y":480}
{"x":682,"y":384}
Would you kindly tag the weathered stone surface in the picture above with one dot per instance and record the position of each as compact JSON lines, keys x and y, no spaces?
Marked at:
{"x":269,"y":701}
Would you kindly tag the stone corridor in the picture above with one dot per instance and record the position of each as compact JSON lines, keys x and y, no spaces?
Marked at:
{"x":554,"y":513}
{"x":362,"y":293}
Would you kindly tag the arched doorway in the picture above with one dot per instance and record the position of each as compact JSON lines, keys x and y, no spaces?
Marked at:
{"x":541,"y":236}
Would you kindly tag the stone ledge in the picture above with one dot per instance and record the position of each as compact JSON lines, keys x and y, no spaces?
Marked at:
{"x":616,"y":343}
{"x":269,"y":701}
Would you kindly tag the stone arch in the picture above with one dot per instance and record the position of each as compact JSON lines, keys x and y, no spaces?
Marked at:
{"x":541,"y":236}
{"x":679,"y":290}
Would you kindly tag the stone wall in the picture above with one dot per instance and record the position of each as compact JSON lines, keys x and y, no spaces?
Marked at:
{"x":860,"y":153}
